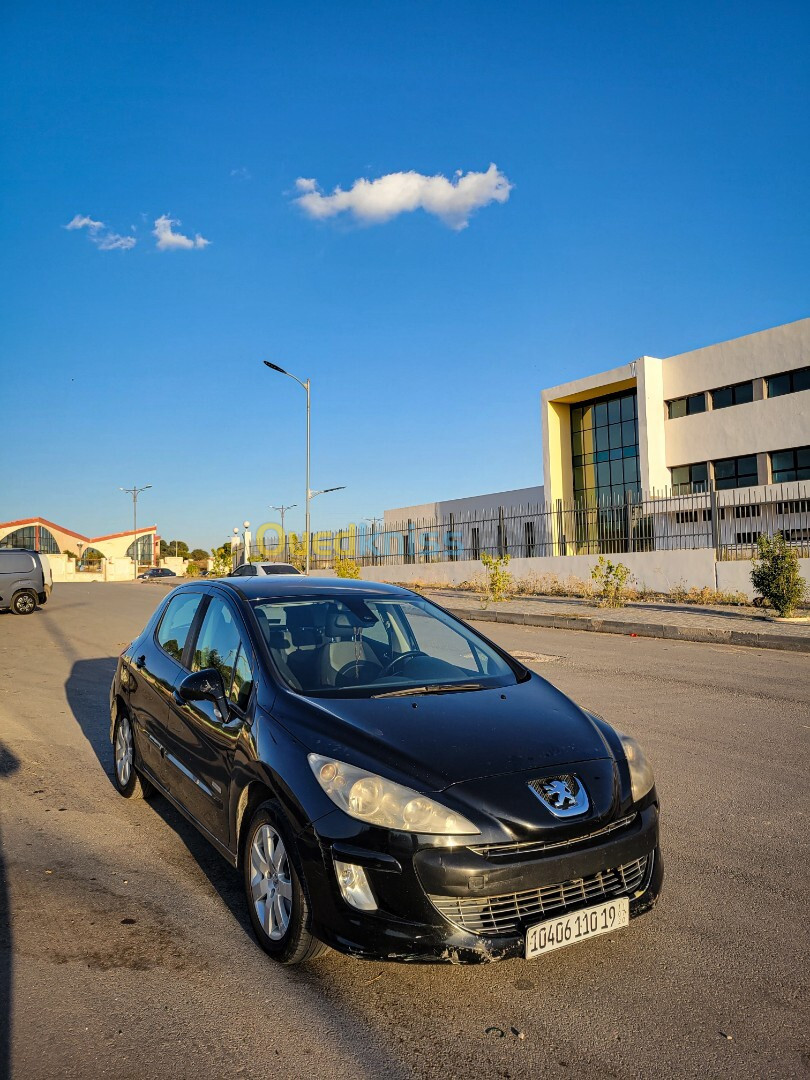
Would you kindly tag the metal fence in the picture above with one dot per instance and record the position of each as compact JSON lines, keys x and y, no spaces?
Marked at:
{"x":727,"y":521}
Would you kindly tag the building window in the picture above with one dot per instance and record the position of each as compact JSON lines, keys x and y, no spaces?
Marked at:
{"x":738,"y":394}
{"x":687,"y":406}
{"x":33,"y":537}
{"x":735,"y":472}
{"x":604,"y":448}
{"x":144,"y":549}
{"x":790,"y":465}
{"x":789,"y":382}
{"x":687,"y":479}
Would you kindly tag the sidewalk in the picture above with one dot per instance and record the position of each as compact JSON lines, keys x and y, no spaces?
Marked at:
{"x":685,"y":622}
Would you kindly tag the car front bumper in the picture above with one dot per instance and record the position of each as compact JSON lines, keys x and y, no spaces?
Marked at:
{"x":454,"y":905}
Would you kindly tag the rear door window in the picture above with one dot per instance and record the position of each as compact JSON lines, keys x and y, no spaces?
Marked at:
{"x":176,"y":623}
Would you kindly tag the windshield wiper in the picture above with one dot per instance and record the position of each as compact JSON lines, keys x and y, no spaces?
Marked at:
{"x":439,"y":688}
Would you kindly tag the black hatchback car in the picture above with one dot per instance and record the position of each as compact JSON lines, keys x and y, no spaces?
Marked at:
{"x":389,"y":782}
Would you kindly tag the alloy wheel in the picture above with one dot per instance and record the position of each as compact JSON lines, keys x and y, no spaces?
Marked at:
{"x":25,"y":604}
{"x":270,"y":882}
{"x":123,"y":751}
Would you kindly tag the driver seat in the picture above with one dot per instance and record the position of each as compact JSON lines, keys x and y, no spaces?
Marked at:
{"x":343,"y":646}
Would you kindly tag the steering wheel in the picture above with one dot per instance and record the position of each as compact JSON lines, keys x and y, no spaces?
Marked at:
{"x":355,"y":667}
{"x":389,"y":668}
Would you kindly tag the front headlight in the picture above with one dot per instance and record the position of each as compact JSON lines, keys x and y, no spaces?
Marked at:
{"x":368,"y":797}
{"x":641,"y":774}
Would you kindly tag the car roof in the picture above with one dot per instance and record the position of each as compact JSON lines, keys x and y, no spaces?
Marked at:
{"x":310,"y":588}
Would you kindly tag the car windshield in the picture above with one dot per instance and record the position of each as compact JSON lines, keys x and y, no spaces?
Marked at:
{"x":358,"y":647}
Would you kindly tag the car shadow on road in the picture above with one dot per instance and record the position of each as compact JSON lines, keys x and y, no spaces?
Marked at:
{"x":9,"y":764}
{"x":87,"y":691}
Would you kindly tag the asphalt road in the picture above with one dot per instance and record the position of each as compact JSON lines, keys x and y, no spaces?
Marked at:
{"x":128,"y":953}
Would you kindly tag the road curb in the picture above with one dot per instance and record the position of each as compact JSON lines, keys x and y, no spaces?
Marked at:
{"x":705,"y":634}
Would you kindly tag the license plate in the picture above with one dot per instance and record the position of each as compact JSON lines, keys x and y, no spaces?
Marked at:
{"x":590,"y":922}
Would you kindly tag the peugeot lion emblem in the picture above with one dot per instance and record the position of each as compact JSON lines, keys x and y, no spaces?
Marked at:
{"x":564,"y":796}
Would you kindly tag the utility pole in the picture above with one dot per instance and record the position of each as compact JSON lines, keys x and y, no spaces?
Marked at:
{"x":135,"y":492}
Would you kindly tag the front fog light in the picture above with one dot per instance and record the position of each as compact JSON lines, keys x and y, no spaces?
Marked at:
{"x":355,"y":887}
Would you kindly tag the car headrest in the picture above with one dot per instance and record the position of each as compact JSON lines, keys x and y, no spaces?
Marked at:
{"x":343,"y":624}
{"x":302,"y":623}
{"x":275,"y":637}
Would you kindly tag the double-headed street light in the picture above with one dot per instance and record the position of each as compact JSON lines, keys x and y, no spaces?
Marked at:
{"x":310,"y":493}
{"x":135,"y":492}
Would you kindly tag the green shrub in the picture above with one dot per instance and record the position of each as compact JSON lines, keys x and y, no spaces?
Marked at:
{"x":222,"y":561}
{"x":611,"y":580}
{"x":346,"y":567}
{"x":775,"y":574}
{"x":498,"y":579}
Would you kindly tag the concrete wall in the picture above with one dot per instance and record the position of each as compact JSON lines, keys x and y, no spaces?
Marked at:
{"x":781,"y":423}
{"x":659,"y":571}
{"x":767,"y":352}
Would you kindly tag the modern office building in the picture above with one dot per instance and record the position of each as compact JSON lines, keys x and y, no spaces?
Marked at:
{"x":732,"y":415}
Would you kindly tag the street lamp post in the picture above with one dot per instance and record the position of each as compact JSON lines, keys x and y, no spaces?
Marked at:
{"x":283,"y":510}
{"x":310,"y":493}
{"x":306,"y":386}
{"x":135,"y":492}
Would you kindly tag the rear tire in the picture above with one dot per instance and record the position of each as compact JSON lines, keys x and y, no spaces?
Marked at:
{"x":24,"y":602}
{"x":128,"y":780}
{"x":276,"y":896}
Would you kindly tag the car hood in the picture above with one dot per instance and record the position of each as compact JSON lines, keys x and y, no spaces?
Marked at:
{"x":443,"y":739}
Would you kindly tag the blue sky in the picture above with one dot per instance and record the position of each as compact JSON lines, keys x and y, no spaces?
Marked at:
{"x":658,"y":161}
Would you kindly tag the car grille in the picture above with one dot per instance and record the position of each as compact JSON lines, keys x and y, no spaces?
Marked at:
{"x":536,"y":847}
{"x":510,"y":911}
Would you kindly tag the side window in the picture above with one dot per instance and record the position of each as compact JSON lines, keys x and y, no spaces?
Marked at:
{"x":242,"y":684}
{"x":176,"y":623}
{"x":218,"y":646}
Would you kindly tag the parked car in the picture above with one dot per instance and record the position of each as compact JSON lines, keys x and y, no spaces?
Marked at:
{"x":387,"y":780}
{"x":156,"y":572}
{"x":25,"y":580}
{"x":264,"y":569}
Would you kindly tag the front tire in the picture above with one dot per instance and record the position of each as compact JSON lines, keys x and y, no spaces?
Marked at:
{"x":128,"y":780}
{"x":276,"y":898}
{"x":24,"y":602}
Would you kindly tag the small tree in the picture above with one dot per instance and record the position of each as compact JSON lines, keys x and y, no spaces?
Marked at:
{"x":498,"y":579}
{"x":297,"y":551}
{"x":346,"y":567}
{"x":611,"y":580}
{"x":198,"y":555}
{"x":775,"y":574}
{"x":222,"y":561}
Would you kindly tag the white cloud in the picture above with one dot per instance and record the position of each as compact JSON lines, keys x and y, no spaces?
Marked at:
{"x":242,"y":173}
{"x":168,"y":240}
{"x":115,"y":242}
{"x":101,"y":236}
{"x":82,"y":221}
{"x":376,"y":201}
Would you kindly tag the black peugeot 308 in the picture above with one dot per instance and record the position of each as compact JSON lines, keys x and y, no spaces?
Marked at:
{"x":389,"y":782}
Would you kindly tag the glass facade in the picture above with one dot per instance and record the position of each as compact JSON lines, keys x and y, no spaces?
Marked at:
{"x":688,"y":479}
{"x":33,"y":537}
{"x":144,"y":549}
{"x":604,"y":448}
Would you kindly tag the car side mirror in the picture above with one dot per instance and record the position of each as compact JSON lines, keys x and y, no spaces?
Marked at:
{"x":205,"y":685}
